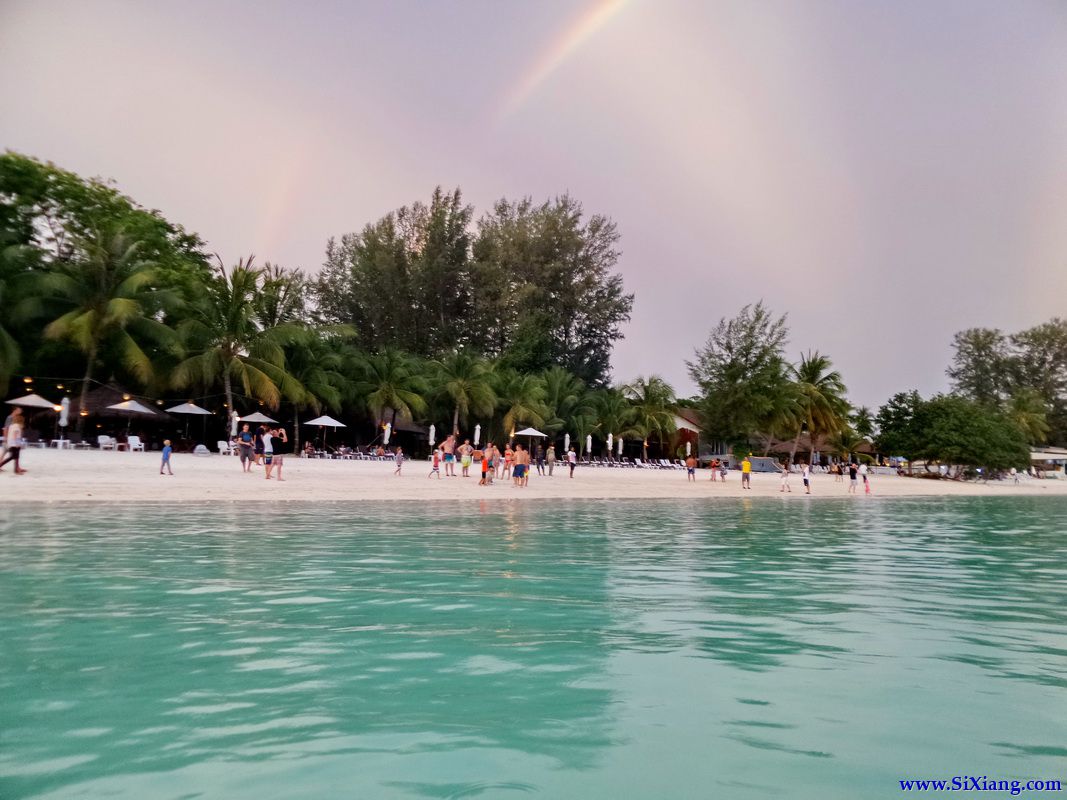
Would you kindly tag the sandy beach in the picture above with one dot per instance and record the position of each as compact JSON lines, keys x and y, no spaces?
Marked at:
{"x":110,"y":477}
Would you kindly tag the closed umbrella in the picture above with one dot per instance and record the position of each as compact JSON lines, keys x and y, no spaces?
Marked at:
{"x":477,"y":434}
{"x":433,"y":434}
{"x":234,"y":419}
{"x":388,"y":432}
{"x":620,"y":447}
{"x":688,"y":449}
{"x":64,"y":413}
{"x":610,"y":438}
{"x":325,"y":422}
{"x":566,"y":442}
{"x":588,"y":444}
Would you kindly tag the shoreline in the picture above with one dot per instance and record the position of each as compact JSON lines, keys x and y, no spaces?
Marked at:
{"x":96,"y":478}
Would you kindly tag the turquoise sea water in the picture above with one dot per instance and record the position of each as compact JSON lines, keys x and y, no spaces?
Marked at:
{"x":670,"y":649}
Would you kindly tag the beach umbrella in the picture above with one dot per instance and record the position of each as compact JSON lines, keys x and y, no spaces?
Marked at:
{"x":588,"y":443}
{"x":566,"y":442}
{"x":131,"y":407}
{"x":325,"y":422}
{"x":477,"y":434}
{"x":233,"y":423}
{"x":688,"y":449}
{"x":620,"y":447}
{"x":31,"y":401}
{"x":257,"y":417}
{"x":610,"y":438}
{"x":64,"y":412}
{"x":433,"y":434}
{"x":388,"y":432}
{"x":190,"y":409}
{"x":532,"y":433}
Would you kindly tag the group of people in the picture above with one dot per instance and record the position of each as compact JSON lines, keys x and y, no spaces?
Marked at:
{"x":266,"y":446}
{"x":515,"y":462}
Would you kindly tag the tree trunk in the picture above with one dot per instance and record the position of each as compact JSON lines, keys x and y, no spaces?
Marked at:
{"x":228,"y":388}
{"x":796,"y":444}
{"x":296,"y":430}
{"x":85,"y":391}
{"x":455,"y":422}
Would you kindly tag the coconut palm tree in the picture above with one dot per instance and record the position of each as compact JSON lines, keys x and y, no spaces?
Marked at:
{"x":565,"y":397}
{"x":392,"y":380}
{"x":614,"y":414}
{"x":108,"y":297}
{"x":315,"y":369}
{"x":1029,"y":412}
{"x":15,"y":262}
{"x":863,"y":422}
{"x":521,"y":399}
{"x":845,"y":441}
{"x":820,"y":394}
{"x":652,"y":398}
{"x":465,"y":381}
{"x":229,"y":341}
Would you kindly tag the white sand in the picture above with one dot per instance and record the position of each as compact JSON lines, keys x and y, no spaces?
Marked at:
{"x":94,"y":476}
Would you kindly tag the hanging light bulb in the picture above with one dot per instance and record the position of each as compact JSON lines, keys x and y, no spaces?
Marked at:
{"x":27,"y":379}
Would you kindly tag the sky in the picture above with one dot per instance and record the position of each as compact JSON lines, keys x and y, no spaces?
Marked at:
{"x":887,"y":173}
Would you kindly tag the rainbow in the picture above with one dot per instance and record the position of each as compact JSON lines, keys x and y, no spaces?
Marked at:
{"x":570,"y":38}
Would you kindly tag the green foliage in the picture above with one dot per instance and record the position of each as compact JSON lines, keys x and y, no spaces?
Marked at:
{"x":391,"y":381}
{"x":863,"y":422}
{"x":465,"y":382}
{"x":653,"y":404}
{"x":898,"y":428}
{"x":742,"y":375}
{"x":819,"y":394}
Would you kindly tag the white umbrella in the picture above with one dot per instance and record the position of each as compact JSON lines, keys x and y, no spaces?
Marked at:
{"x":257,"y":417}
{"x":566,"y":442}
{"x":610,"y":438}
{"x":31,"y":401}
{"x":233,"y":423}
{"x":620,"y":447}
{"x":132,"y":407}
{"x":388,"y":432}
{"x":325,"y":422}
{"x":588,"y":444}
{"x":477,"y":434}
{"x":433,"y":434}
{"x":188,"y":408}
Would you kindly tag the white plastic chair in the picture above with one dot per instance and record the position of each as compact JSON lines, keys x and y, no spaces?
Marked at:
{"x":224,"y":448}
{"x":105,"y":442}
{"x":134,"y":443}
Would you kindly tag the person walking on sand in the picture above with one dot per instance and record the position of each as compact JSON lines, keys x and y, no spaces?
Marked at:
{"x":10,"y":417}
{"x":279,"y":443}
{"x":550,"y":458}
{"x":746,"y":473}
{"x":437,"y":464}
{"x":398,"y":459}
{"x":691,"y":469}
{"x":13,"y":441}
{"x":526,"y":467}
{"x":465,"y":451}
{"x":723,"y":469}
{"x":167,"y":450}
{"x":853,"y":469}
{"x":785,"y":478}
{"x":805,"y":475}
{"x":245,"y":448}
{"x":572,"y":460}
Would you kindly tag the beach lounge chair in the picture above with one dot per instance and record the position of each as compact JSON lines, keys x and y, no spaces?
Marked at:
{"x":105,"y":442}
{"x":134,"y":443}
{"x":224,"y":448}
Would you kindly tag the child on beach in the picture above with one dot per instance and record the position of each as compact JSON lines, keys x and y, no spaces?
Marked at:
{"x":167,"y":450}
{"x":572,"y":460}
{"x":436,"y":464}
{"x":398,"y":457}
{"x":485,"y":468}
{"x":866,"y":483}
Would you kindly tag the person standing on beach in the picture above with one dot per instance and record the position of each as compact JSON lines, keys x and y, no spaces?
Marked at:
{"x":449,"y":450}
{"x":785,"y":479}
{"x":485,"y":468}
{"x":245,"y":445}
{"x":866,"y":482}
{"x":258,"y":443}
{"x":465,"y":451}
{"x":550,"y":457}
{"x":519,"y":468}
{"x":398,"y":459}
{"x":691,"y":469}
{"x":805,"y":474}
{"x":267,"y":449}
{"x":526,"y":467}
{"x":746,"y":473}
{"x":279,"y":444}
{"x":506,"y":462}
{"x":572,"y":460}
{"x":167,"y":450}
{"x":7,"y":422}
{"x":539,"y":458}
{"x":852,"y":471}
{"x":13,"y":440}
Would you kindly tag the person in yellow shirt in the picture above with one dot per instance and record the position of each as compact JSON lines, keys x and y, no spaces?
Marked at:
{"x":746,"y":473}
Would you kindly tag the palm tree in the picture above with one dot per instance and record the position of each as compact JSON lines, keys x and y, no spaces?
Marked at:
{"x":391,"y":379}
{"x":314,"y":367}
{"x":15,"y":260}
{"x":653,"y":399}
{"x":229,"y":342}
{"x":614,"y":414}
{"x":820,"y":393}
{"x":845,"y":441}
{"x":521,"y":398}
{"x":1029,"y":412}
{"x":109,"y":298}
{"x":466,"y":382}
{"x":565,"y":397}
{"x":863,"y":422}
